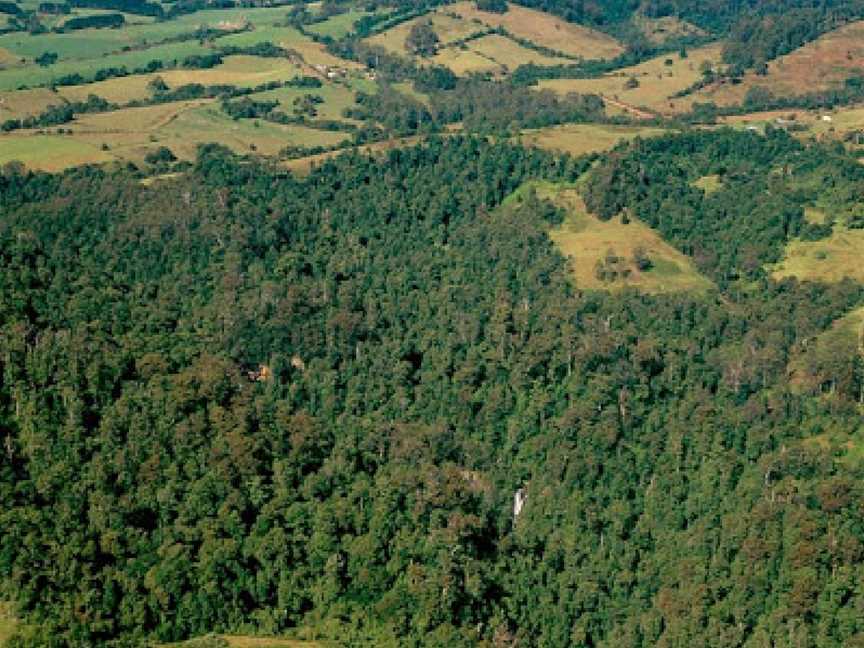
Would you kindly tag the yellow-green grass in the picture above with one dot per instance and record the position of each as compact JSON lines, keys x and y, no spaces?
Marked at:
{"x":242,"y":71}
{"x":304,"y":165}
{"x":131,"y":133}
{"x":657,"y":81}
{"x":543,"y":29}
{"x":510,"y":54}
{"x":660,"y":30}
{"x":8,"y":622}
{"x":842,"y":121}
{"x":579,"y":139}
{"x":465,"y":61}
{"x":33,"y":75}
{"x":829,"y":260}
{"x":336,"y":99}
{"x":8,"y":59}
{"x":17,"y":104}
{"x":447,"y":28}
{"x":408,"y":90}
{"x":844,"y":338}
{"x":338,"y":26}
{"x":49,"y":152}
{"x":709,"y":183}
{"x":93,"y":43}
{"x":822,"y":64}
{"x":815,"y":216}
{"x":587,"y":240}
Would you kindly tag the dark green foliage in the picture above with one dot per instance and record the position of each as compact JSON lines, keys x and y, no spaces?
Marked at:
{"x":99,"y":21}
{"x":422,"y":39}
{"x":57,"y":8}
{"x":46,"y":58}
{"x":241,"y":399}
{"x":10,"y":8}
{"x":141,"y":7}
{"x":495,"y":6}
{"x":201,"y":61}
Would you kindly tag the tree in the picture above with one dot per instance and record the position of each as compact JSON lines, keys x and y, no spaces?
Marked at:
{"x":422,"y":39}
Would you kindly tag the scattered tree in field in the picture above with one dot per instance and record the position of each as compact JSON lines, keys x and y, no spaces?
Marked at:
{"x":422,"y":39}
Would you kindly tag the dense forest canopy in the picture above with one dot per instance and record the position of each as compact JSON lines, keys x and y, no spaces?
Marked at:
{"x":243,"y":399}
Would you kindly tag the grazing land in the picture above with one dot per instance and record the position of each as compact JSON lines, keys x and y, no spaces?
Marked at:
{"x":590,"y":242}
{"x":830,"y":260}
{"x":8,"y":622}
{"x":543,"y":29}
{"x":823,"y":64}
{"x":497,"y":53}
{"x":579,"y":139}
{"x":656,"y":80}
{"x":661,"y":30}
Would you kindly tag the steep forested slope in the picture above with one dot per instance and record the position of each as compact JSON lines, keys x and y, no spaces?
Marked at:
{"x":237,"y":398}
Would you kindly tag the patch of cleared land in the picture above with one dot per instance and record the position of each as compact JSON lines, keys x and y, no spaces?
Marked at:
{"x":465,"y":61}
{"x":8,"y":623}
{"x":509,"y":54}
{"x":304,"y":165}
{"x":129,"y":134}
{"x":336,"y":99}
{"x":661,"y":30}
{"x":448,"y":29}
{"x":657,"y":81}
{"x":496,"y":53}
{"x":709,"y":184}
{"x":8,"y":59}
{"x":579,"y":139}
{"x":338,"y":26}
{"x":822,"y":64}
{"x":242,"y":71}
{"x":587,"y":241}
{"x":840,"y":122}
{"x":543,"y":29}
{"x":24,"y":103}
{"x":831,"y":259}
{"x":50,"y":152}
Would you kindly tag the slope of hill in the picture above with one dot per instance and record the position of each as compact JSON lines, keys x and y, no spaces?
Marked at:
{"x":822,"y":64}
{"x":239,"y":399}
{"x":650,"y":85}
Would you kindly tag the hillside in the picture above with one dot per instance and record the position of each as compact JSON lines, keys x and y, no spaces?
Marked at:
{"x":823,"y":64}
{"x":277,"y":402}
{"x":468,"y":325}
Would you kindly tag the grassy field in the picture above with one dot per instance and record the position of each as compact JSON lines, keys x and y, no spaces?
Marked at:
{"x":660,"y":30}
{"x":8,"y":622}
{"x":542,"y":29}
{"x":587,"y":240}
{"x":22,"y":103}
{"x":131,"y":133}
{"x":448,"y":28}
{"x":496,"y":53}
{"x":302,"y":166}
{"x":336,"y":98}
{"x":709,"y":184}
{"x":821,"y":64}
{"x":50,"y":152}
{"x":338,"y":26}
{"x":33,"y":75}
{"x":829,"y":260}
{"x":465,"y":61}
{"x":657,"y":81}
{"x":579,"y":139}
{"x":842,"y":120}
{"x":510,"y":54}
